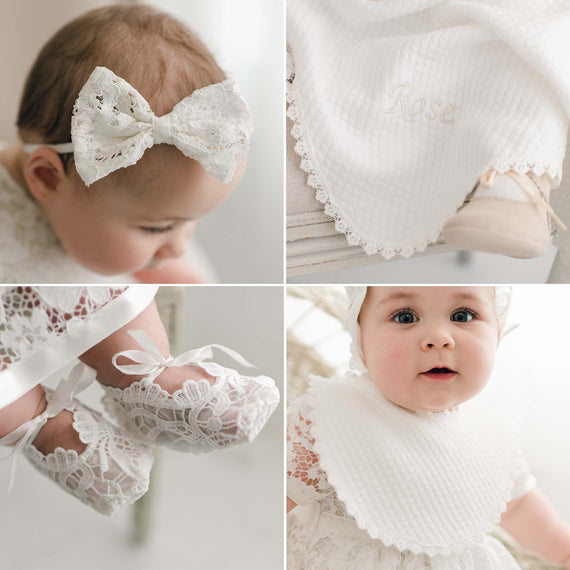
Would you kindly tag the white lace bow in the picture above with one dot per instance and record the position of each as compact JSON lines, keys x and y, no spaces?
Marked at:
{"x":78,"y":379}
{"x":150,"y":360}
{"x":113,"y":125}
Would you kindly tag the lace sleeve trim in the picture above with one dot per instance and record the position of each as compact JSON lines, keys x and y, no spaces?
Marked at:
{"x":306,"y":479}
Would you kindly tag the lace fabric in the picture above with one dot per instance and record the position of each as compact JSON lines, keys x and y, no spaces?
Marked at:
{"x":29,"y":249}
{"x":337,"y":546}
{"x":110,"y":473}
{"x":199,"y":417}
{"x":113,"y":125}
{"x":44,"y":328}
{"x":30,"y":317}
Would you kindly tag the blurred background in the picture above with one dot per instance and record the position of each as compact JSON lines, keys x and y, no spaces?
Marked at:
{"x":530,"y":381}
{"x":243,"y":239}
{"x":206,"y":512}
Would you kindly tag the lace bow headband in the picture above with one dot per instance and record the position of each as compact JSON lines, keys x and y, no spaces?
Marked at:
{"x":112,"y":126}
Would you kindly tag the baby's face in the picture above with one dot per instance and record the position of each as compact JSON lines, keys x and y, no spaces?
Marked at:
{"x":429,"y":348}
{"x":114,"y":227}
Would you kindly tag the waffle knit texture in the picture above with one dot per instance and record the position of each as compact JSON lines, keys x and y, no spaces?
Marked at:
{"x":395,"y":486}
{"x":399,"y":106}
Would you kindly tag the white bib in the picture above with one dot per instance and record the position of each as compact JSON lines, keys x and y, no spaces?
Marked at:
{"x":431,"y":483}
{"x":400,"y":105}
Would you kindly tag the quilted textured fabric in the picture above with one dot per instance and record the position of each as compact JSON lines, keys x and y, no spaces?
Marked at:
{"x":399,"y":106}
{"x":364,"y":482}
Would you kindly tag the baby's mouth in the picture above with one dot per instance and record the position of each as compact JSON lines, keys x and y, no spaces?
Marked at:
{"x":437,"y":373}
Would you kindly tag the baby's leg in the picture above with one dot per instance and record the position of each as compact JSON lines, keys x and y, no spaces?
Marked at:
{"x":57,"y":432}
{"x":100,"y":356}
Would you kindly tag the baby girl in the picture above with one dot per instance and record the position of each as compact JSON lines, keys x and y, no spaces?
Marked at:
{"x":131,"y":132}
{"x":183,"y":402}
{"x":392,"y":466}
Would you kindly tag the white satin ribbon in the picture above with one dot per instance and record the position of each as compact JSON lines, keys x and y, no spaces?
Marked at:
{"x":77,"y":380}
{"x":112,"y":126}
{"x":150,"y":360}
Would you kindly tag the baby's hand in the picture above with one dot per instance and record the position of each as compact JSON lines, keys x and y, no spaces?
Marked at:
{"x":171,"y":271}
{"x":566,"y":562}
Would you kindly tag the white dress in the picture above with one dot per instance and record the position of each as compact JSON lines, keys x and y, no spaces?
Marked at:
{"x":29,"y":249}
{"x":323,"y":534}
{"x":42,"y":329}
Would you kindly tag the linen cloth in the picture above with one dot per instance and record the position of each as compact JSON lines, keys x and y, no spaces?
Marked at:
{"x":399,"y":106}
{"x":381,"y":487}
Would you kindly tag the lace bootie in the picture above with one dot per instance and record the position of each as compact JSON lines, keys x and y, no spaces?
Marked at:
{"x":200,"y":417}
{"x":111,"y":472}
{"x":508,"y":214}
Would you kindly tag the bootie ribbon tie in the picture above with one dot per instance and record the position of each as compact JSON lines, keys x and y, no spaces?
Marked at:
{"x":78,"y":379}
{"x":151,"y":361}
{"x":529,"y":187}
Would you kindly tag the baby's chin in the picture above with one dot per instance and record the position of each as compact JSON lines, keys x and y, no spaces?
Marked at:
{"x":423,"y":405}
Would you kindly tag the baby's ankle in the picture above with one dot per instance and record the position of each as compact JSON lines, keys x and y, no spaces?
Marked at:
{"x":59,"y":432}
{"x":171,"y":379}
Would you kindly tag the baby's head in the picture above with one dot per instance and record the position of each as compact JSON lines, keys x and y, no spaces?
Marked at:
{"x":426,"y":348}
{"x":138,"y":216}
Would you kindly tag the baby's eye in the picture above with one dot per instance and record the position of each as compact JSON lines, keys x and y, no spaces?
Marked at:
{"x":157,"y":230}
{"x":405,"y":317}
{"x":463,"y":315}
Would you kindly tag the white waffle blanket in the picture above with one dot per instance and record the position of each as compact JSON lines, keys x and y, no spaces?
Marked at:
{"x":400,"y":105}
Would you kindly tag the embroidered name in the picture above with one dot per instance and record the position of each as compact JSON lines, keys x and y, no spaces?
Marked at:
{"x":403,"y":99}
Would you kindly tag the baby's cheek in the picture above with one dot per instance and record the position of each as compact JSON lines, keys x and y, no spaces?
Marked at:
{"x":389,"y":358}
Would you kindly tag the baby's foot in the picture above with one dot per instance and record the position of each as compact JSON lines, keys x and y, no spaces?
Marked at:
{"x":187,"y":404}
{"x":507,"y":214}
{"x":58,"y":432}
{"x":83,"y":453}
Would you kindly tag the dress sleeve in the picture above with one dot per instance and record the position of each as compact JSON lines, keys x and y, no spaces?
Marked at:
{"x":306,"y":481}
{"x":525,"y":480}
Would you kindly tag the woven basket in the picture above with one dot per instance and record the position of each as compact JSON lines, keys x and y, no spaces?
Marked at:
{"x":303,"y":360}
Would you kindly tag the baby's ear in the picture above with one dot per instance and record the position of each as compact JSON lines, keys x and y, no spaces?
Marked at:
{"x":44,"y":173}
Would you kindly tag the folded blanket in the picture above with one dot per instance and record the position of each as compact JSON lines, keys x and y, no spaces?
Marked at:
{"x":400,"y":105}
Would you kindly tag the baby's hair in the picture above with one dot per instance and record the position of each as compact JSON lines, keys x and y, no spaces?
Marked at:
{"x":159,"y":56}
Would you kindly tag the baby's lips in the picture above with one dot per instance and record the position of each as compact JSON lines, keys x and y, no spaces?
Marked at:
{"x":440,"y":369}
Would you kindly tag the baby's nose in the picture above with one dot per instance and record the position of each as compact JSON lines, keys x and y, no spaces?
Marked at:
{"x":175,"y":247}
{"x":437,"y":337}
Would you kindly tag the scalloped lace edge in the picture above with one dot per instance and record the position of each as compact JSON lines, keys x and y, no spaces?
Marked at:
{"x":345,"y":226}
{"x":402,"y":545}
{"x":154,"y":389}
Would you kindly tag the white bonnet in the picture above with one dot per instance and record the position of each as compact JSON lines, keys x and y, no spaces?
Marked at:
{"x":356,"y":296}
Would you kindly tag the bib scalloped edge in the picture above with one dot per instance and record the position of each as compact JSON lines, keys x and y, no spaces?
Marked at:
{"x":401,"y":544}
{"x":345,"y":226}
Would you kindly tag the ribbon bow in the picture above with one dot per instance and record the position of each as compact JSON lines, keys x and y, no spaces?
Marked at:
{"x":78,"y":379}
{"x":150,"y":360}
{"x":113,"y":125}
{"x":530,"y":186}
